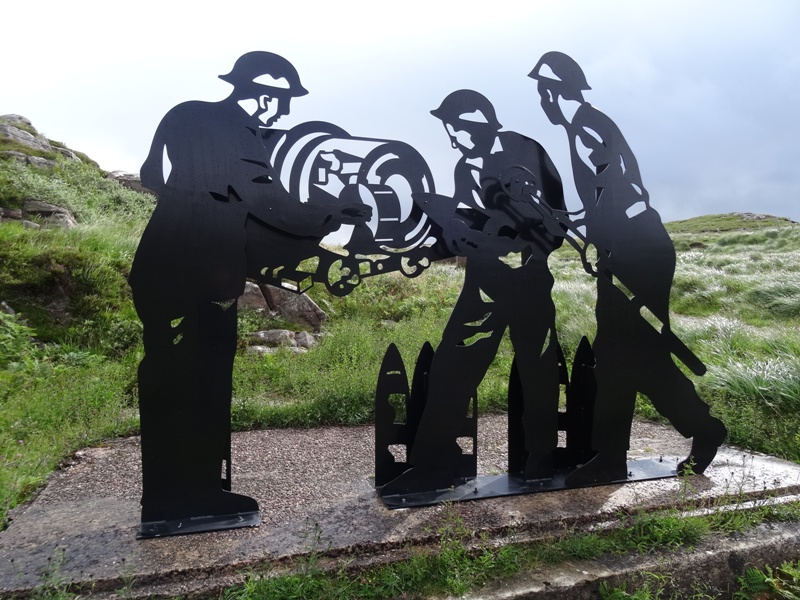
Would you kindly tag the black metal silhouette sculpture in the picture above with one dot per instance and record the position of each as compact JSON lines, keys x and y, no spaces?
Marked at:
{"x":518,"y":201}
{"x":634,"y":269}
{"x":224,"y":214}
{"x":483,"y":223}
{"x":241,"y":199}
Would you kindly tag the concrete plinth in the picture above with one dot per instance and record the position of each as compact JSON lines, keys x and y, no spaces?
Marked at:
{"x":315,"y":493}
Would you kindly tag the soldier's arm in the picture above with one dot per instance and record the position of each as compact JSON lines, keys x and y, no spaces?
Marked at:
{"x":152,"y":171}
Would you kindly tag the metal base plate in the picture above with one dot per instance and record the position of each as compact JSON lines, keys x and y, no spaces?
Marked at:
{"x":153,"y":529}
{"x":495,"y":486}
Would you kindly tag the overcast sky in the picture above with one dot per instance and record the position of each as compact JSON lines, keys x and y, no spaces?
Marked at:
{"x":707,"y":93}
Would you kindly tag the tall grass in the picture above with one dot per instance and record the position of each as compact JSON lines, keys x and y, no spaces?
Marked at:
{"x":80,"y":187}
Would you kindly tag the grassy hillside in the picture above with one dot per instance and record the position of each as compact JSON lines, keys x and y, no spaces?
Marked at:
{"x":68,"y":359}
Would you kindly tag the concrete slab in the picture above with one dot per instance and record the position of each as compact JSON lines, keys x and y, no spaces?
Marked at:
{"x":315,"y":491}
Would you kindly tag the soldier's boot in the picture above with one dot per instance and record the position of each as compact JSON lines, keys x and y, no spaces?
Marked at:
{"x":538,"y":467}
{"x":420,"y":479}
{"x":607,"y":466}
{"x":704,"y":448}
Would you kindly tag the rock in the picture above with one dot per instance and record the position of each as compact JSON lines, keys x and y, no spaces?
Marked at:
{"x":20,"y":130}
{"x":56,"y":216}
{"x":274,"y":337}
{"x":130,"y":180}
{"x":30,"y":225}
{"x":294,"y":307}
{"x":11,"y":213}
{"x":252,"y":297}
{"x":36,"y":142}
{"x":67,"y":152}
{"x":42,"y":209}
{"x":263,"y":350}
{"x":18,"y":121}
{"x":258,"y":350}
{"x":15,"y":156}
{"x":5,"y":308}
{"x":304,"y":339}
{"x":64,"y":220}
{"x":42,"y":163}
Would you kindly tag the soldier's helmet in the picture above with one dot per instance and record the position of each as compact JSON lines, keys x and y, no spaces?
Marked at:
{"x":562,"y":73}
{"x":467,"y":107}
{"x":266,"y":69}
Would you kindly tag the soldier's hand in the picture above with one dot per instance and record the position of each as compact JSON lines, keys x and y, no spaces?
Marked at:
{"x":355,"y":213}
{"x":343,"y":277}
{"x":414,"y":266}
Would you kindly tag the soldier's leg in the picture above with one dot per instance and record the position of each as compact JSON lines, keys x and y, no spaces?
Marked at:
{"x":185,"y":391}
{"x":618,"y":354}
{"x":468,"y":346}
{"x":536,"y":358}
{"x":674,"y":396}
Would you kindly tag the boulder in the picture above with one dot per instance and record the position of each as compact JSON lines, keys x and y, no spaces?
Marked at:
{"x":67,"y":152}
{"x":60,"y":219}
{"x":42,"y":163}
{"x":258,"y":350}
{"x":264,"y":350}
{"x":129,"y":180}
{"x":304,"y":339}
{"x":294,"y":307}
{"x":13,"y":214}
{"x":253,"y":297}
{"x":274,"y":338}
{"x":21,"y":136}
{"x":50,"y":214}
{"x":20,"y":130}
{"x":18,"y":121}
{"x":18,"y":157}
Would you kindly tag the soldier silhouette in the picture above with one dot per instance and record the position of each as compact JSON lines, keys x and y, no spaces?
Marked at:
{"x":634,"y":270}
{"x":209,"y":168}
{"x":484,"y":224}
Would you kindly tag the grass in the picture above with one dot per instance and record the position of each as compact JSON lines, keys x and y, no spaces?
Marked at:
{"x":463,"y":562}
{"x":768,"y":583}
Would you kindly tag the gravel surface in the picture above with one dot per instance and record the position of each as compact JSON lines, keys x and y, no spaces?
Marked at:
{"x":315,"y":490}
{"x":293,"y":472}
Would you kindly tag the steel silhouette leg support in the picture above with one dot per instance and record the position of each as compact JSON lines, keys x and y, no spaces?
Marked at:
{"x":633,"y":357}
{"x":185,"y":397}
{"x":458,"y":366}
{"x":536,"y":358}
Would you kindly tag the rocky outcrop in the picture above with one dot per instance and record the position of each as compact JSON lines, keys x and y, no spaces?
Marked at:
{"x":36,"y":213}
{"x":49,"y":214}
{"x":294,"y":307}
{"x":252,"y":298}
{"x":288,"y":305}
{"x":269,"y":342}
{"x":291,"y":307}
{"x":129,"y":180}
{"x":26,"y":159}
{"x":20,"y":131}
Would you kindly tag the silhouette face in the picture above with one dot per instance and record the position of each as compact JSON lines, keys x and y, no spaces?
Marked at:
{"x":460,"y":139}
{"x":265,"y":104}
{"x":472,"y":141}
{"x":272,"y":107}
{"x":549,"y":103}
